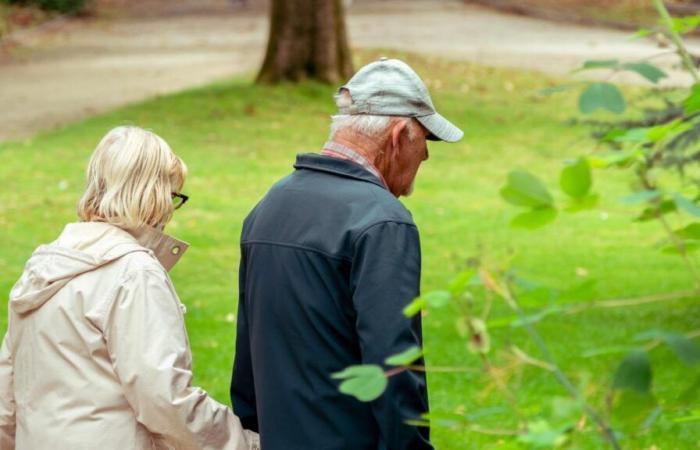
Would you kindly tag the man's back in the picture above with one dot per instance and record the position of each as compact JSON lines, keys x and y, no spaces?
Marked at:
{"x":329,"y":259}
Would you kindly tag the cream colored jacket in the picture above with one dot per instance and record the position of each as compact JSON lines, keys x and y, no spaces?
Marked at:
{"x":96,"y":354}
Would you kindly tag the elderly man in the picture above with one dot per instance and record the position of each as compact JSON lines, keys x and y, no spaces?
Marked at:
{"x":329,"y":259}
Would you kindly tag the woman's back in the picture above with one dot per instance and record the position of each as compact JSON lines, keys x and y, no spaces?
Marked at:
{"x":66,"y":390}
{"x":96,"y":355}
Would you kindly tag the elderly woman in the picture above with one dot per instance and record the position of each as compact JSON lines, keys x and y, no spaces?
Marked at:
{"x":96,"y":354}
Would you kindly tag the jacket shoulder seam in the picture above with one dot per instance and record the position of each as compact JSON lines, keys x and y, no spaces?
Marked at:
{"x":298,"y":247}
{"x":382,"y":222}
{"x":114,"y":291}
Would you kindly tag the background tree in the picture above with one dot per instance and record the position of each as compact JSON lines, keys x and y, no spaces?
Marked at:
{"x":308,"y":39}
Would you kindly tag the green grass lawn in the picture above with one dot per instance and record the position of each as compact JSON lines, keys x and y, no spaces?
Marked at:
{"x":238,"y":139}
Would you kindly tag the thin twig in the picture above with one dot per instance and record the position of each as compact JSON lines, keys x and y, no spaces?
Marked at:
{"x":657,"y":55}
{"x":507,"y":294}
{"x":673,"y":237}
{"x":502,"y":386}
{"x":527,"y":359}
{"x":395,"y":371}
{"x":656,"y":342}
{"x":493,"y":431}
{"x":444,"y":369}
{"x":680,"y":246}
{"x":676,"y":38}
{"x":488,"y":367}
{"x":622,"y":302}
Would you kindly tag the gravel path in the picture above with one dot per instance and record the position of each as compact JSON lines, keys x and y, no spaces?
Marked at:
{"x":71,"y":69}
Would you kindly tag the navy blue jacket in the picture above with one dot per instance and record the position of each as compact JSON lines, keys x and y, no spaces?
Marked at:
{"x":329,"y":258}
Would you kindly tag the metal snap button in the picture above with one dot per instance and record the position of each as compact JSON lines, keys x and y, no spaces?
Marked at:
{"x":175,"y":250}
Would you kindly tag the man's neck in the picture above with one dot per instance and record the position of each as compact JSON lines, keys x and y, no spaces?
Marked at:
{"x":362,"y":145}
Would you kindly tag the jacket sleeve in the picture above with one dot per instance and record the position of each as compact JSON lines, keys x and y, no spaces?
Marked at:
{"x":145,"y":333}
{"x":242,"y":382}
{"x":7,"y":397}
{"x":385,"y":278}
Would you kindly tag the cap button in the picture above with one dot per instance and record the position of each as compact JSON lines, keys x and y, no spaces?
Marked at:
{"x":383,"y":58}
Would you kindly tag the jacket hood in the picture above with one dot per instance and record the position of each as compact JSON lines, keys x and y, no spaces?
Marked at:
{"x":82,"y":247}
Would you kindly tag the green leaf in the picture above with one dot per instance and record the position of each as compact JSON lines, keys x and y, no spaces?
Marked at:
{"x":686,"y":349}
{"x":576,"y":179}
{"x":613,"y":134}
{"x":690,"y":237}
{"x":534,"y":318}
{"x":649,"y":334}
{"x":437,"y":299}
{"x":689,"y":232}
{"x":661,"y":132}
{"x":601,"y":96}
{"x":648,"y":71}
{"x":599,"y":64}
{"x":636,"y":135}
{"x":691,"y":104}
{"x":694,"y":416}
{"x":685,"y":24}
{"x":535,"y":218}
{"x":666,"y":206}
{"x":640,"y":197}
{"x":634,"y":373}
{"x":414,"y":307}
{"x":642,"y":32}
{"x":404,"y":358}
{"x":615,"y":158}
{"x":459,"y":283}
{"x":586,"y":203}
{"x":541,"y":434}
{"x":688,"y":247}
{"x":525,"y":189}
{"x":631,"y":409}
{"x":686,"y":205}
{"x":433,"y":299}
{"x":365,"y":382}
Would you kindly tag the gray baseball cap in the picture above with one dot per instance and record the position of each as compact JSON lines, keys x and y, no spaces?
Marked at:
{"x":389,"y":87}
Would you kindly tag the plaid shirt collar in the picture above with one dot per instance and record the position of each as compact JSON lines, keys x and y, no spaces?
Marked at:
{"x":337,"y":150}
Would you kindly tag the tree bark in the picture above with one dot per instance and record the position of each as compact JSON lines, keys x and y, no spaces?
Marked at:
{"x":308,"y":39}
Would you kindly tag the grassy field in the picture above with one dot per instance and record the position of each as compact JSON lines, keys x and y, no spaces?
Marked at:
{"x":238,"y":139}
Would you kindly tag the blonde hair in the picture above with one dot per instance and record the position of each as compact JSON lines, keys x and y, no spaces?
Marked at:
{"x":130,"y":180}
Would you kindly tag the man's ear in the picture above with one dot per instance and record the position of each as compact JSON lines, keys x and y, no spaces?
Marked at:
{"x":395,"y":141}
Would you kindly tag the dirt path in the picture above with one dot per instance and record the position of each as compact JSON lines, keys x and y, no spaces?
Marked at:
{"x":72,"y":69}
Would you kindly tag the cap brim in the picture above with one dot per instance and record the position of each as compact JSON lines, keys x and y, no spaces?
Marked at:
{"x":440,"y":128}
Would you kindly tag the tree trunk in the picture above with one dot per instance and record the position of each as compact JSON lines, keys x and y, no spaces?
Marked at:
{"x":307,"y":39}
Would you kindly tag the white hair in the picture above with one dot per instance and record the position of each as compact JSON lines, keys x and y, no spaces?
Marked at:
{"x":373,"y":126}
{"x":130,"y":180}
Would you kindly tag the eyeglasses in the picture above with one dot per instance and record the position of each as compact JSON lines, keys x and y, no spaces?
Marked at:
{"x":178,"y":199}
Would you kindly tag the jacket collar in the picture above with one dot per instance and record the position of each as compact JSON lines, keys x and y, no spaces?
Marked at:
{"x":336,"y":166}
{"x":166,"y":249}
